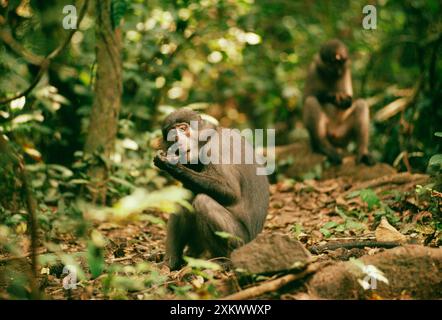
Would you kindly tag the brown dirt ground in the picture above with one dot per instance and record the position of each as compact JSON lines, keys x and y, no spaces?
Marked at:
{"x":309,"y":204}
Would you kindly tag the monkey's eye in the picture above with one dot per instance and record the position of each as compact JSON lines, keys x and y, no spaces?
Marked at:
{"x":182,"y":127}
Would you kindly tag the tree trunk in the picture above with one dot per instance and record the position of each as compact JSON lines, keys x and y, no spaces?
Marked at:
{"x":108,"y":89}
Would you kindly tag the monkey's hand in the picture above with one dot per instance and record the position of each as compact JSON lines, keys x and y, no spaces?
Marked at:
{"x":335,"y":158}
{"x":332,"y":154}
{"x":343,"y":100}
{"x":162,"y":160}
{"x":326,"y":97}
{"x":366,"y":159}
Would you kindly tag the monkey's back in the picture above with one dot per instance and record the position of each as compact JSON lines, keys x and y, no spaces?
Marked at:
{"x":255,"y":197}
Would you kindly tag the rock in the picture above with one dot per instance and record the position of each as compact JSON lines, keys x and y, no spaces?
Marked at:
{"x":270,"y":253}
{"x":412,"y":271}
{"x":300,"y":159}
{"x":358,"y":172}
{"x":386,"y":232}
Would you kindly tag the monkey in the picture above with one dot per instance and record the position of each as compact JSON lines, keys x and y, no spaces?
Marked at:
{"x":228,"y":198}
{"x":330,"y":114}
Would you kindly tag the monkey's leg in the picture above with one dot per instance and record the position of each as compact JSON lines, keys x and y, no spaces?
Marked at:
{"x":212,"y":217}
{"x":316,"y":122}
{"x":178,"y":231}
{"x":361,"y":126}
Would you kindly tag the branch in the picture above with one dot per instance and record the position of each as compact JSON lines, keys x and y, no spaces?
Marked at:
{"x":20,"y":50}
{"x":397,"y":178}
{"x":353,"y":244}
{"x":273,"y":285}
{"x":47,"y":60}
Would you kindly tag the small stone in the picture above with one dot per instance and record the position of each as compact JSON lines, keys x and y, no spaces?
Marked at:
{"x":270,"y":253}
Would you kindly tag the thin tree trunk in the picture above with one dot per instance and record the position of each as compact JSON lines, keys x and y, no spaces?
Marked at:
{"x":9,"y":156}
{"x":108,"y":89}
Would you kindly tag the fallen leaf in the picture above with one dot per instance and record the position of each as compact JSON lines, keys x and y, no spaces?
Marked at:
{"x":386,"y":232}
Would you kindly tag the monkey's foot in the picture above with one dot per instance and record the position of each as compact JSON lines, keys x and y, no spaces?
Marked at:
{"x":174,"y":263}
{"x":367,"y":159}
{"x":335,"y":159}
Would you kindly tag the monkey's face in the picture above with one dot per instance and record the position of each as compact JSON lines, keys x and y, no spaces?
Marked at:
{"x":180,"y":141}
{"x":336,"y":64}
{"x":334,"y":56}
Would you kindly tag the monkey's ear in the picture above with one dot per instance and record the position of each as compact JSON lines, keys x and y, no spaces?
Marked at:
{"x":157,"y":143}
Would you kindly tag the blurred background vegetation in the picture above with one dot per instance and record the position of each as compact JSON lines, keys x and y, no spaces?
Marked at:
{"x":241,"y":61}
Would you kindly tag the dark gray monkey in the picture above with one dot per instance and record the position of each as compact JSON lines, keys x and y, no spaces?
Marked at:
{"x":229,"y":198}
{"x":330,"y":115}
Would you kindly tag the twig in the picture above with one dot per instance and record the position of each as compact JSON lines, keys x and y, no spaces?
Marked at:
{"x":124,"y":258}
{"x":46,"y":61}
{"x":273,"y":285}
{"x":353,"y":244}
{"x":397,"y":178}
{"x":23,"y":256}
{"x":15,"y":46}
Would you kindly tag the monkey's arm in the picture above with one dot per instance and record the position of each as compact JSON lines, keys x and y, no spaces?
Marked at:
{"x":348,"y":85}
{"x":343,"y":98}
{"x":215,"y":185}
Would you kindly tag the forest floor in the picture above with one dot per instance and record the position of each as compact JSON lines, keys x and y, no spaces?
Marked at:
{"x":315,"y":212}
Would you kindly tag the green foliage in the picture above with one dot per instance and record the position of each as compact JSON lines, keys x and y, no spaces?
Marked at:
{"x":297,"y":230}
{"x":201,"y":264}
{"x":351,"y":222}
{"x":119,"y":9}
{"x":226,"y":235}
{"x":436,"y":161}
{"x":243,"y":62}
{"x":435,"y":166}
{"x":370,"y":198}
{"x":95,"y":259}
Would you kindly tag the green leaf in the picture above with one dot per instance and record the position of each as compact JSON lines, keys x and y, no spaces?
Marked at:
{"x":297,"y":230}
{"x":79,"y":181}
{"x":438,"y":134}
{"x":95,"y":260}
{"x":123,"y":182}
{"x":370,"y":198}
{"x":340,"y":228}
{"x":341,"y":213}
{"x":226,"y":235}
{"x":353,"y":194}
{"x":181,"y":291}
{"x":325,"y":232}
{"x":119,"y":9}
{"x":201,"y":264}
{"x":330,"y":225}
{"x":435,"y":160}
{"x":127,"y":283}
{"x":354,"y":225}
{"x":153,"y":219}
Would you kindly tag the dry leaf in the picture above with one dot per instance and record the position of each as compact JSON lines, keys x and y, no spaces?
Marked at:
{"x":386,"y":232}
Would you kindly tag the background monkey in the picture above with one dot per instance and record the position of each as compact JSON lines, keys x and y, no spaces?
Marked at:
{"x":330,"y":115}
{"x":228,"y":197}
